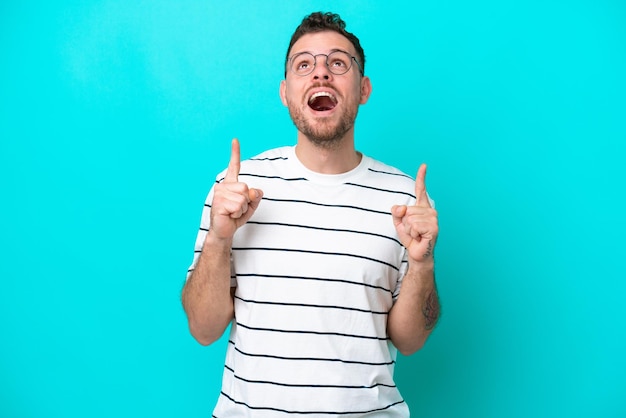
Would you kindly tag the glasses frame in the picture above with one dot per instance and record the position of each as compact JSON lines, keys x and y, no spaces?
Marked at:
{"x":352,"y":58}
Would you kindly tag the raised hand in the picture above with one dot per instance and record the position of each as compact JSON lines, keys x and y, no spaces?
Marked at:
{"x":417,"y":225}
{"x":233,"y":202}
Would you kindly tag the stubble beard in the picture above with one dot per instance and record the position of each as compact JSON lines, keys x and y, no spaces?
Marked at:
{"x":323,"y":132}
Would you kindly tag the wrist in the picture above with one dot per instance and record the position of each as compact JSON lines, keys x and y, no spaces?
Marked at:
{"x":420,"y":267}
{"x":216,"y":242}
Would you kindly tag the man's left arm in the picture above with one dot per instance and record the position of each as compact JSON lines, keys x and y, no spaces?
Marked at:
{"x":416,"y":311}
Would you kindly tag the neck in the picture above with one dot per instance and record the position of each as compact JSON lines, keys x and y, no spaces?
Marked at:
{"x":337,"y":158}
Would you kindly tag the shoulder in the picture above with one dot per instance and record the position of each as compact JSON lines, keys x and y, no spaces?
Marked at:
{"x":280,"y":153}
{"x":385,"y":174}
{"x":381,"y":172}
{"x":266,"y":161}
{"x":270,"y":158}
{"x":386,"y":169}
{"x":270,"y":162}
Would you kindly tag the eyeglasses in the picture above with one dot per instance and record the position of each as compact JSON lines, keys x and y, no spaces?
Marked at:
{"x":337,"y":62}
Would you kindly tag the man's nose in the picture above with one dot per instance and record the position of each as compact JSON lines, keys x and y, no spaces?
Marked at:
{"x":321,"y":69}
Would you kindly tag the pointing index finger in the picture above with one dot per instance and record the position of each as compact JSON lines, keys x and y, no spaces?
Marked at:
{"x":420,"y":188}
{"x":232,"y":173}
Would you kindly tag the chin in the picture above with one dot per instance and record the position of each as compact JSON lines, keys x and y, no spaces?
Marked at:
{"x":325,"y":131}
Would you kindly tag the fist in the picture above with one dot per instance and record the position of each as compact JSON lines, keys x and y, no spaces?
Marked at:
{"x":233,"y":201}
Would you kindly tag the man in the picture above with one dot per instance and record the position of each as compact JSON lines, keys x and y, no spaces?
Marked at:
{"x":320,"y":258}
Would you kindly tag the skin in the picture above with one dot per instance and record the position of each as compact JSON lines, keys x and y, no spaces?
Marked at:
{"x":325,"y":144}
{"x":415,"y":313}
{"x":351,"y":89}
{"x":207,"y":295}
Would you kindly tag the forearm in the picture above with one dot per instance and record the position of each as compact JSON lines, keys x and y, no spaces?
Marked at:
{"x":416,"y":311}
{"x":206,"y":296}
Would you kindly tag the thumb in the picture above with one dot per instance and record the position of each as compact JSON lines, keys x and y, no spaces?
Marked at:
{"x":398,"y":212}
{"x":255,"y":196}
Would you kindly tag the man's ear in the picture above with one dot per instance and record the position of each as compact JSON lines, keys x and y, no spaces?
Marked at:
{"x":283,"y":92}
{"x":366,"y":89}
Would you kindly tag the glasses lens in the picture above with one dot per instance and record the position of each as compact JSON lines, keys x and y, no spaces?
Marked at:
{"x":303,"y":63}
{"x":339,"y":62}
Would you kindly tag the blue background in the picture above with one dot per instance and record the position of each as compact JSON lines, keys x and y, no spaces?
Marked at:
{"x":116,"y":115}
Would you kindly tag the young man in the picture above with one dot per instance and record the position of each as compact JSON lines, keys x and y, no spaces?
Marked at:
{"x":320,"y":258}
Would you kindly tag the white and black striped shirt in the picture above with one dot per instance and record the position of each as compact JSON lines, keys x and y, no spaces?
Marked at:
{"x":316,"y":269}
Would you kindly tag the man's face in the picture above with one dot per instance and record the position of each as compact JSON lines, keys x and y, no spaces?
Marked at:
{"x":323,"y":105}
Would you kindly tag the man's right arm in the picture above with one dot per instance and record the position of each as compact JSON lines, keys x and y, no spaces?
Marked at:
{"x":207,"y":295}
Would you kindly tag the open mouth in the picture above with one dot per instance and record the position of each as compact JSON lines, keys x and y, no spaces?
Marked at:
{"x":322,"y":101}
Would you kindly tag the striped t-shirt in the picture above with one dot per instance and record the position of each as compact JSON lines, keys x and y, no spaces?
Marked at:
{"x":317,"y":269}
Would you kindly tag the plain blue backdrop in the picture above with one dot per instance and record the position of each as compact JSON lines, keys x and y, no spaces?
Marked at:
{"x":115,"y":117}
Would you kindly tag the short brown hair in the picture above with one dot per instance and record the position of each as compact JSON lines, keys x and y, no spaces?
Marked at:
{"x":320,"y":22}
